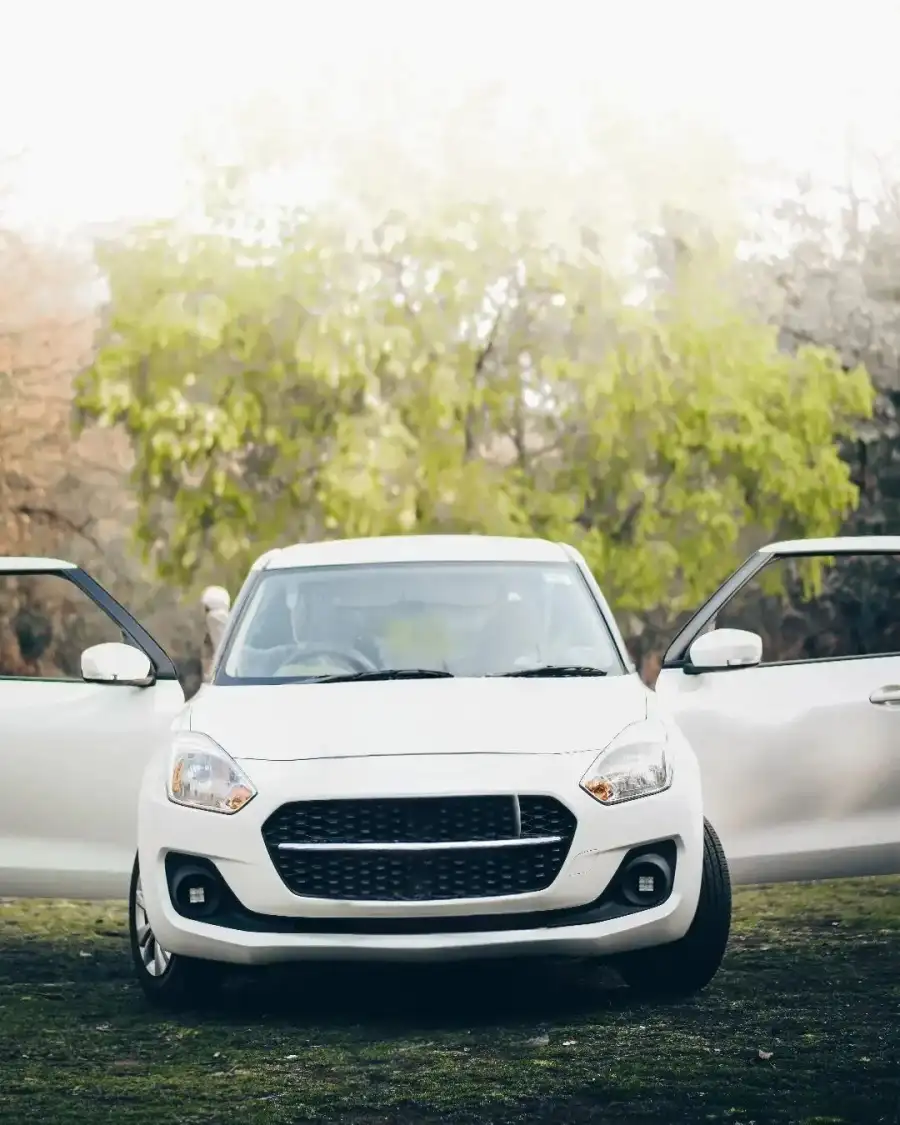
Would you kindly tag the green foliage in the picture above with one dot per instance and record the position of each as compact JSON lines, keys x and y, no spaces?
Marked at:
{"x":463,"y":375}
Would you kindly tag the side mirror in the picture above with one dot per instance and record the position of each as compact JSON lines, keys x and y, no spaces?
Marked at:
{"x":725,"y":648}
{"x":116,"y":663}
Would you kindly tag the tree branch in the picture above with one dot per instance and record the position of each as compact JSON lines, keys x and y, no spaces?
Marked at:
{"x":480,"y":361}
{"x":49,"y":515}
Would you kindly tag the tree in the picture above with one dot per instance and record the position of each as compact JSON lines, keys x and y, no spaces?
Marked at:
{"x":62,"y":494}
{"x":824,"y":269}
{"x":457,"y":372}
{"x":46,"y":334}
{"x":836,"y":283}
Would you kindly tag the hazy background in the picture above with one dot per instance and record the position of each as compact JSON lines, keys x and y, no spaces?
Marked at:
{"x":714,"y":183}
{"x":103,"y":97}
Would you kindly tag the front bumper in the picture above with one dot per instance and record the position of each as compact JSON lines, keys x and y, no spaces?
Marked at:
{"x":603,"y":837}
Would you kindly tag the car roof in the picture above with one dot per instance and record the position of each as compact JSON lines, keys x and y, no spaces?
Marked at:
{"x":414,"y":548}
{"x":836,"y":545}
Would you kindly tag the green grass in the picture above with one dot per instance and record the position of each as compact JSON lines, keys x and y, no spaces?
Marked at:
{"x":802,"y":1026}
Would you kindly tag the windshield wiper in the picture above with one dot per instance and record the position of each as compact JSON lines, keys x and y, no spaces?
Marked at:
{"x":383,"y":674}
{"x":550,"y":670}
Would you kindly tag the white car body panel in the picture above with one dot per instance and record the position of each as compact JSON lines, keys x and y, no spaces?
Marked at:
{"x":836,"y":545}
{"x":18,"y":564}
{"x":801,"y":773}
{"x":461,"y":716}
{"x":414,"y":548}
{"x":801,"y":770}
{"x":73,"y":755}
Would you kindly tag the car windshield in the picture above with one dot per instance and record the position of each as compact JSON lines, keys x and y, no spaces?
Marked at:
{"x":454,"y":618}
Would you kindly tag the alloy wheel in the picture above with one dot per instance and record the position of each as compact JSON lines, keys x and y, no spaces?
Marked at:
{"x":154,"y":958}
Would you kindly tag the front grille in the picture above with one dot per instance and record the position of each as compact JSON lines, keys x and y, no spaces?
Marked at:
{"x":416,"y":820}
{"x":419,"y":849}
{"x":422,"y":876}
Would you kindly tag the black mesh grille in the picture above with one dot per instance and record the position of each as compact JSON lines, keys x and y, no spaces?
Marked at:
{"x":544,"y":816}
{"x":412,"y":875}
{"x":421,"y":876}
{"x":427,"y":820}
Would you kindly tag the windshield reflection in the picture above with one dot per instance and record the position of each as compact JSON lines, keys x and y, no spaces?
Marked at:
{"x":457,"y":619}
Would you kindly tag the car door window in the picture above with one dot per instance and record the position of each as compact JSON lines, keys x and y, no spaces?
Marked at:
{"x":46,"y":622}
{"x":819,"y":608}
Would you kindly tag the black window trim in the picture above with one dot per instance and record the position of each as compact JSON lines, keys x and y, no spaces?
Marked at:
{"x":163,"y":666}
{"x":676,"y":655}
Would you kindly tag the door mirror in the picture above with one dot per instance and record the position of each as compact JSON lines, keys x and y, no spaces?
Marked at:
{"x":116,"y":663}
{"x":725,"y":648}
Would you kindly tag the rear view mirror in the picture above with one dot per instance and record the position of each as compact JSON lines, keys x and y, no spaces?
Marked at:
{"x":725,"y":648}
{"x":116,"y":663}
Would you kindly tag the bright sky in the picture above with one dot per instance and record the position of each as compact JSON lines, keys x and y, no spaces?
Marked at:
{"x":101,"y":93}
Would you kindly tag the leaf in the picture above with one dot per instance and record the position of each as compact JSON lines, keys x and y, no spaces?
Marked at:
{"x":456,"y":371}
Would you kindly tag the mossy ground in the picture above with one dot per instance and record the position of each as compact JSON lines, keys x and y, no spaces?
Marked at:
{"x":802,"y":1026}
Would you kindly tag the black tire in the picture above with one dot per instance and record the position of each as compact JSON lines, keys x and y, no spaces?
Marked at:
{"x":168,"y":980}
{"x":685,"y":967}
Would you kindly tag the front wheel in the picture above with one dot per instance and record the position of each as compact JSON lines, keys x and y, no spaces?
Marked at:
{"x":167,"y":979}
{"x":684,"y":967}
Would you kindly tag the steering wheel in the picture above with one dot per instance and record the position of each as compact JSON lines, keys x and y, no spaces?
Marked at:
{"x":355,"y":663}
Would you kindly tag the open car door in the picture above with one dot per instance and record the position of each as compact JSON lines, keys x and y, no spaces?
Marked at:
{"x":788,"y":688}
{"x":86,"y":695}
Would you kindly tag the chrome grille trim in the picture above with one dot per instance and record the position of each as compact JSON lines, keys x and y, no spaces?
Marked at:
{"x":431,"y":846}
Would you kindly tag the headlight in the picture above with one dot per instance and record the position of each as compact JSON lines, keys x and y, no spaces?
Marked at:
{"x":203,"y":776}
{"x":635,"y":764}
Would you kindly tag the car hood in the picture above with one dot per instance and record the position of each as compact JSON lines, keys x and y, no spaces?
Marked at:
{"x":292,"y":722}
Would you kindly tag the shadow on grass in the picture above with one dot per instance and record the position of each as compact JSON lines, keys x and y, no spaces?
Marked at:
{"x":473,"y":994}
{"x":800,"y":1026}
{"x":339,"y":994}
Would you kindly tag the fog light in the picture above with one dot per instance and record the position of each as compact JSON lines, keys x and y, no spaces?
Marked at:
{"x":196,"y":890}
{"x":646,"y":880}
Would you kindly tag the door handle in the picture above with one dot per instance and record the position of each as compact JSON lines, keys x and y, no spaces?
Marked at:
{"x":886,"y":695}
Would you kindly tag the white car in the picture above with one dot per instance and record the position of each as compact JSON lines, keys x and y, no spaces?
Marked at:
{"x":438,"y":748}
{"x":425,"y":748}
